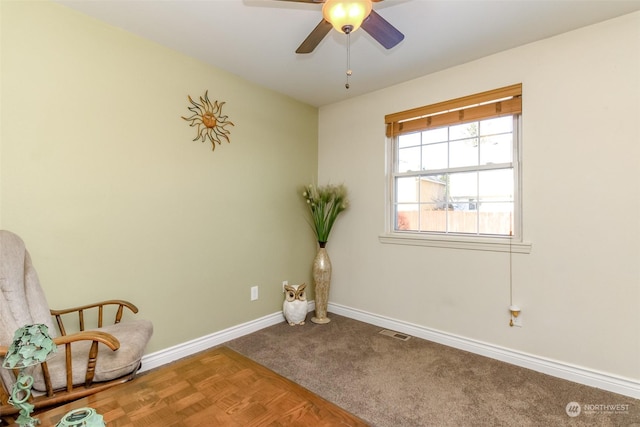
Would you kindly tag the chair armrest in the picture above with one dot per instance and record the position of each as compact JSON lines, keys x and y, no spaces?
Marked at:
{"x":103,"y":337}
{"x":100,"y":308}
{"x":92,"y":358}
{"x":96,"y":336}
{"x":72,"y":361}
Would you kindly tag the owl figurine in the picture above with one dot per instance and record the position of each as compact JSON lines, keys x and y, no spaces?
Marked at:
{"x":295,"y":304}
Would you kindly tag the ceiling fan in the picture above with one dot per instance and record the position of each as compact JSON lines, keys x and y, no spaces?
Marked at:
{"x":347,"y":16}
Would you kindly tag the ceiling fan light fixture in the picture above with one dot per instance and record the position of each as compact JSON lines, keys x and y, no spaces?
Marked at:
{"x":346,"y":16}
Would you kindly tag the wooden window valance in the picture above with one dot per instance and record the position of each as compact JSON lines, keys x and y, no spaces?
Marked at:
{"x":493,"y":103}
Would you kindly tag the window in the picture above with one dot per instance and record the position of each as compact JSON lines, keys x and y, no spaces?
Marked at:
{"x":454,"y":172}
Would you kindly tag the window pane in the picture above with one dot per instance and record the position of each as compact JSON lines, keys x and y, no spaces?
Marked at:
{"x":496,"y":218}
{"x":433,"y":218}
{"x":409,"y":159}
{"x":434,"y":156}
{"x":409,"y":140}
{"x":462,"y":187}
{"x":435,"y":135}
{"x":463,"y":131}
{"x":406,"y":190}
{"x":496,"y":201}
{"x":497,"y":125}
{"x":463,"y":153}
{"x":496,"y":186}
{"x":463,"y":221}
{"x":407,"y":217}
{"x":496,"y":149}
{"x":433,"y":189}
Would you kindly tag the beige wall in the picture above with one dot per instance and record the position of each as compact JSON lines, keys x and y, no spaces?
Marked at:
{"x":579,"y":288}
{"x":101,"y":178}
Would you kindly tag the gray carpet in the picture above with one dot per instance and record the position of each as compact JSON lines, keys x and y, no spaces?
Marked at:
{"x":393,"y":383}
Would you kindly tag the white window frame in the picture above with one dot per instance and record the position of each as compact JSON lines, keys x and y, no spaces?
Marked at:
{"x":497,"y":243}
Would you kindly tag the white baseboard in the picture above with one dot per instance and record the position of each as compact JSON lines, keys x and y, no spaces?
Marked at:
{"x":162,"y":357}
{"x":577,"y":374}
{"x":604,"y":381}
{"x":168,"y":355}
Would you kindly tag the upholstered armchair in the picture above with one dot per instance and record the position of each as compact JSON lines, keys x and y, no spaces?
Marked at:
{"x":94,"y":355}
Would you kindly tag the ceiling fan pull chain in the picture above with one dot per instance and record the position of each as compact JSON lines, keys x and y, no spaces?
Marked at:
{"x":349,"y":72}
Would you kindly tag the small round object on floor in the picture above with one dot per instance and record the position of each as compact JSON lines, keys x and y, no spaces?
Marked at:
{"x":85,"y":417}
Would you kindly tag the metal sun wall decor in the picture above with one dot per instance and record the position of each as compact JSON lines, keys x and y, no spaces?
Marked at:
{"x":208,"y":119}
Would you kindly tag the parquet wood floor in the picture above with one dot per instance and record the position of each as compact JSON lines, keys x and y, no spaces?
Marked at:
{"x":218,"y":387}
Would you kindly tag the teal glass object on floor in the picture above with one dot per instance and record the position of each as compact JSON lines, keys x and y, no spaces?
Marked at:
{"x":85,"y":417}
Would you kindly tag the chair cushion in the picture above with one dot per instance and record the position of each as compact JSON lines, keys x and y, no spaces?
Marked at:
{"x":22,"y":301}
{"x":133,"y":336}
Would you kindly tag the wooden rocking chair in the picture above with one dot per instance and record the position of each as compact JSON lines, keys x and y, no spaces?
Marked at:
{"x":86,"y":361}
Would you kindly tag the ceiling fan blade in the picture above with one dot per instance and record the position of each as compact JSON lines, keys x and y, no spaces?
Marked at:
{"x":384,"y":33}
{"x":315,"y":37}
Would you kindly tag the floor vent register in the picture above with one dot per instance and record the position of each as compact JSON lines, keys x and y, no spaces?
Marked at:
{"x":396,"y":335}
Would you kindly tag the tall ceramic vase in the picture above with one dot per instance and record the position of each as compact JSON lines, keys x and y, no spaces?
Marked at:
{"x":322,"y":280}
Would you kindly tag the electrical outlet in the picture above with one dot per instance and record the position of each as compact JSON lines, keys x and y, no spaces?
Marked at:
{"x":254,"y":293}
{"x":284,"y":283}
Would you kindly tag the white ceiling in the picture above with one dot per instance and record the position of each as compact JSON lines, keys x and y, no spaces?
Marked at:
{"x":257,"y":39}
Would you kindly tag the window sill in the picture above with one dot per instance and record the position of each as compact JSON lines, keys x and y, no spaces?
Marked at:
{"x":493,"y":244}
